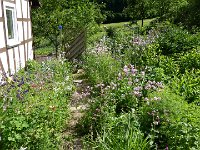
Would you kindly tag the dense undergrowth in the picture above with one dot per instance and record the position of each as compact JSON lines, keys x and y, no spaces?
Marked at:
{"x":145,"y":94}
{"x":145,"y":90}
{"x":34,"y":106}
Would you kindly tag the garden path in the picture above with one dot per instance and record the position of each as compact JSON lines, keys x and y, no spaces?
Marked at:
{"x":78,"y":105}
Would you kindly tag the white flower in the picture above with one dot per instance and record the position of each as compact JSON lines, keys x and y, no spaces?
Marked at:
{"x":23,"y":148}
{"x":67,"y":78}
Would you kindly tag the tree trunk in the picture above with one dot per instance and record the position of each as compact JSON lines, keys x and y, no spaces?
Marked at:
{"x":142,"y":22}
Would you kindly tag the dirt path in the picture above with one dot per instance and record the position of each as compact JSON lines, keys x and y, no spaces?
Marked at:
{"x":78,"y":105}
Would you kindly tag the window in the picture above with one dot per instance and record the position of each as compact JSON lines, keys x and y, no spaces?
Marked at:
{"x":10,"y":20}
{"x":11,"y":24}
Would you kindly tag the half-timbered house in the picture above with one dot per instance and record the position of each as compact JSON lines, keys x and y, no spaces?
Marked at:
{"x":15,"y":34}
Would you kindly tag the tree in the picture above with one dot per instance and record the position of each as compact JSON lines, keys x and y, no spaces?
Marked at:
{"x":113,"y":10}
{"x":189,"y":14}
{"x":73,"y":16}
{"x":139,"y":9}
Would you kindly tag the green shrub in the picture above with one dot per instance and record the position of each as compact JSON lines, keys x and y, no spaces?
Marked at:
{"x":176,"y":40}
{"x":171,"y":121}
{"x":100,"y":68}
{"x":111,"y":32}
{"x":189,"y":61}
{"x":187,"y":85}
{"x":122,"y":133}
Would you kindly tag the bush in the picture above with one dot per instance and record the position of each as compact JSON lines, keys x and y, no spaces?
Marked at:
{"x":187,"y":85}
{"x":34,"y":106}
{"x":176,"y":40}
{"x":189,"y":61}
{"x":171,"y":121}
{"x":122,"y":133}
{"x":100,"y":68}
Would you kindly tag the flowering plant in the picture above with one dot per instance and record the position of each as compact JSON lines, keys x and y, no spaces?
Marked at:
{"x":33,"y":106}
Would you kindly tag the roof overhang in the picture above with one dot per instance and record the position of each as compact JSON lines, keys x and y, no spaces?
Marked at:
{"x":34,"y":3}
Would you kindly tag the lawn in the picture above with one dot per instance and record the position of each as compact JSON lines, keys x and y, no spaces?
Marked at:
{"x":121,"y":24}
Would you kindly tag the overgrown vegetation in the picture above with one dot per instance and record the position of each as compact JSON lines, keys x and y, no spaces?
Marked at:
{"x":145,"y":81}
{"x":152,"y":99}
{"x":34,"y":106}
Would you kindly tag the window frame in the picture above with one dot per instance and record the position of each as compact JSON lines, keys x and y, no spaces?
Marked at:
{"x":14,"y":41}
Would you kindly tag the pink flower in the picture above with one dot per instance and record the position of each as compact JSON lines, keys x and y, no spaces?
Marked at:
{"x":138,"y":88}
{"x":133,"y":71}
{"x":167,"y":148}
{"x":137,"y":93}
{"x":130,"y":82}
{"x":126,"y":69}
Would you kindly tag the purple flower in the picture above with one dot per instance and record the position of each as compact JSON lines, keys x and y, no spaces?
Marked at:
{"x":137,"y":94}
{"x":21,"y":83}
{"x":18,"y":96}
{"x":26,"y":91}
{"x":126,"y":69}
{"x":138,"y":88}
{"x":60,"y":27}
{"x":130,"y":82}
{"x":167,"y":148}
{"x":147,"y":87}
{"x":133,"y":71}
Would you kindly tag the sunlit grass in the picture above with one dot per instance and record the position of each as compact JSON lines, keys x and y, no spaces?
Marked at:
{"x":121,"y":24}
{"x":44,"y":51}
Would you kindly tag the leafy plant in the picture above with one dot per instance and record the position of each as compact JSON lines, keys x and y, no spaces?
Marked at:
{"x":34,"y":106}
{"x":100,"y":68}
{"x":176,"y":40}
{"x":122,"y":133}
{"x":173,"y":121}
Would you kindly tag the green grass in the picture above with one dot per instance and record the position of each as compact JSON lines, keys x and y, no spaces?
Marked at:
{"x":146,"y":22}
{"x":121,"y":24}
{"x":44,"y":51}
{"x":115,"y":25}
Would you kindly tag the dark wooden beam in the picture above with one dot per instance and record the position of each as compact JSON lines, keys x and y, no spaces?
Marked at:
{"x":35,"y":3}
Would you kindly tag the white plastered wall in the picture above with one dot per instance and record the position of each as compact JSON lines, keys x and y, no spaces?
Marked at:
{"x":0,"y":10}
{"x":2,"y":37}
{"x":18,"y":6}
{"x":17,"y":56}
{"x":11,"y":60}
{"x":24,"y":6}
{"x":30,"y":52}
{"x":22,"y":55}
{"x":3,"y":57}
{"x":20,"y":30}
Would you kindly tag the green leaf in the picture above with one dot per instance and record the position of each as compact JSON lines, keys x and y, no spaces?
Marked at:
{"x":18,"y":136}
{"x":25,"y":125}
{"x":11,"y":139}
